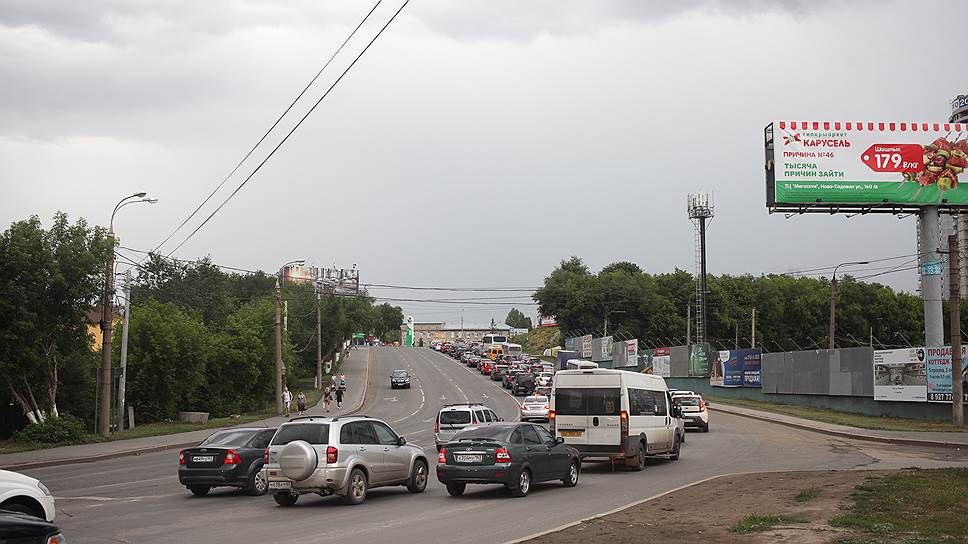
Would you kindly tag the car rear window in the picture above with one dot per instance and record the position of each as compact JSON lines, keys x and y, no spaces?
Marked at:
{"x":536,"y":400}
{"x":455,"y":417}
{"x":228,"y":438}
{"x":687,"y":401}
{"x":399,"y":373}
{"x":592,"y":401}
{"x":314,"y":433}
{"x":486,"y":433}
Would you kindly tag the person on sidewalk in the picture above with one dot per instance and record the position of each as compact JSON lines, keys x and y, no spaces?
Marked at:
{"x":327,"y":398}
{"x":301,"y":403}
{"x":286,"y":399}
{"x":342,"y":380}
{"x":339,"y":397}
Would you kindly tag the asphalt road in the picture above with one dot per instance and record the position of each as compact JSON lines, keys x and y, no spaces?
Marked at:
{"x":138,"y":499}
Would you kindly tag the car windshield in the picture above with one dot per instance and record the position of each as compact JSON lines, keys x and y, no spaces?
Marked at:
{"x":455,"y":417}
{"x":687,"y":401}
{"x":314,"y":433}
{"x":228,"y":438}
{"x":485,"y":433}
{"x":399,"y":373}
{"x":536,"y":400}
{"x":593,"y":401}
{"x":524,"y":376}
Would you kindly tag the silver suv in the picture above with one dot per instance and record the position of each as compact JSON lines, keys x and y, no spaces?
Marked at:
{"x":453,"y":418}
{"x":342,"y":456}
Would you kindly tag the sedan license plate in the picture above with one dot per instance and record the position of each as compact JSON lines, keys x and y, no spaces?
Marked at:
{"x":570,"y":433}
{"x":203,"y":459}
{"x":280,"y":485}
{"x":469,"y":458}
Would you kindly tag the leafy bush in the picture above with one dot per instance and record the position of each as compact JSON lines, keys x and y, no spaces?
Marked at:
{"x":54,"y":430}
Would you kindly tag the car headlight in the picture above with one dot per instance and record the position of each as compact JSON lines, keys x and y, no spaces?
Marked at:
{"x":44,"y":489}
{"x":57,"y":539}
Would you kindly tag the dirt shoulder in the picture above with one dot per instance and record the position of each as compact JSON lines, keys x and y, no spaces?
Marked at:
{"x":706,"y":512}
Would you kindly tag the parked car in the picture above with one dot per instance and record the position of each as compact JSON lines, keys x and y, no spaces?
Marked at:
{"x":497,"y":374}
{"x":514,"y":454}
{"x":345,"y":456}
{"x":453,"y":418}
{"x":523,"y":383}
{"x":399,"y":378}
{"x":16,"y":527}
{"x":25,"y":495}
{"x":694,"y":412}
{"x":229,"y":458}
{"x":623,"y":416}
{"x":536,"y":407}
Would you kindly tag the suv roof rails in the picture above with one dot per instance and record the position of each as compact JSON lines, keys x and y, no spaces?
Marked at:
{"x":297,"y":418}
{"x":463,"y":404}
{"x":337,"y":418}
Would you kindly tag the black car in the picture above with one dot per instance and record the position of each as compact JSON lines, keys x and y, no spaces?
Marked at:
{"x":497,"y":374}
{"x":22,"y":528}
{"x":509,"y":377}
{"x":523,"y":383}
{"x":514,"y":454}
{"x":229,"y":458}
{"x":399,"y":378}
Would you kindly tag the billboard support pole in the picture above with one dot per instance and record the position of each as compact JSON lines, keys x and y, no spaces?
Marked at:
{"x":954,"y":286}
{"x":930,"y":228}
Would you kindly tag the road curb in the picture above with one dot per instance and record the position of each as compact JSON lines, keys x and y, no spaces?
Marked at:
{"x":366,"y":385}
{"x":844,"y":434}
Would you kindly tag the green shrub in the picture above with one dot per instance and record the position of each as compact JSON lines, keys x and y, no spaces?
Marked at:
{"x":54,"y":430}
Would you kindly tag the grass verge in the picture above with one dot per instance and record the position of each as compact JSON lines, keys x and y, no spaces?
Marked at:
{"x":841,"y":418}
{"x":754,"y":523}
{"x":910,"y":506}
{"x":807,"y":495}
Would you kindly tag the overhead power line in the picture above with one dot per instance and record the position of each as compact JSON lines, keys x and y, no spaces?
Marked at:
{"x":290,"y":133}
{"x":472,"y":289}
{"x":271,"y":128}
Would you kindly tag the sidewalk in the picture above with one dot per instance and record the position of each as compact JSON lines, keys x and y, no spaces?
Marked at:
{"x":928,"y":438}
{"x":355,"y":367}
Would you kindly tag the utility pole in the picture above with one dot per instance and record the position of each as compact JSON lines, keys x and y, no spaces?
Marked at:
{"x":278,"y":296}
{"x":124,"y":348}
{"x":736,"y":341}
{"x":688,"y":324}
{"x":285,"y":315}
{"x":107,"y":331}
{"x":753,"y":331}
{"x":954,"y":304}
{"x":319,"y":343}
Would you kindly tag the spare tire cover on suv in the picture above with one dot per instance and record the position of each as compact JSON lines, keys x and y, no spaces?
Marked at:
{"x":298,"y":460}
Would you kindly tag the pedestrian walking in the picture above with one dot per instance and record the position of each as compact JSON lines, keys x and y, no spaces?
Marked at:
{"x":286,"y":399}
{"x":301,"y":403}
{"x":327,"y":398}
{"x":339,"y":397}
{"x":342,"y":380}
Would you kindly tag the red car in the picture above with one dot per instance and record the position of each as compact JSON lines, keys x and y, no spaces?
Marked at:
{"x":487,"y":366}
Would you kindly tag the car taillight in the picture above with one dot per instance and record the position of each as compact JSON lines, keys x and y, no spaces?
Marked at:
{"x":265,"y":456}
{"x":522,"y":407}
{"x":503,"y":456}
{"x":623,"y":417}
{"x":232,"y":458}
{"x":547,"y":407}
{"x":332,"y":454}
{"x":181,"y":457}
{"x":437,"y":425}
{"x":442,"y":456}
{"x":702,"y":406}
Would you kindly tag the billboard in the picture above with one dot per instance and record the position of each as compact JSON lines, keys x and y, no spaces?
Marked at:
{"x":939,"y":372}
{"x":736,"y":368}
{"x":662,"y":362}
{"x":408,"y":339}
{"x":699,"y":359}
{"x":625,"y":353}
{"x":586,"y":346}
{"x":882,"y":164}
{"x":900,"y":375}
{"x":340,"y":281}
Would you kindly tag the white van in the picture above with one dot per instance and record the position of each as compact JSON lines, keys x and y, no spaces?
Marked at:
{"x":578,"y":364}
{"x":624,"y":416}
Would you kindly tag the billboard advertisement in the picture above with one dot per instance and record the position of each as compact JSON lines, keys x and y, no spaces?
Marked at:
{"x":408,"y":339}
{"x":699,"y":359}
{"x":882,"y":163}
{"x":662,"y":362}
{"x":586,"y":346}
{"x":340,"y":281}
{"x":939,"y":372}
{"x":736,"y":368}
{"x":900,"y":375}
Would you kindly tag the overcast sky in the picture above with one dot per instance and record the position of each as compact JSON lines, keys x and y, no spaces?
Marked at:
{"x":476,"y":144}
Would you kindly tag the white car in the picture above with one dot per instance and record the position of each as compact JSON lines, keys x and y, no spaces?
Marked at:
{"x":544,"y":379}
{"x":535,"y":407}
{"x":694,"y":412}
{"x":19,"y":493}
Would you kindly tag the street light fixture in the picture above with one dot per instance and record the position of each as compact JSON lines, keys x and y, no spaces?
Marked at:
{"x":833,"y":298}
{"x":107,"y":320}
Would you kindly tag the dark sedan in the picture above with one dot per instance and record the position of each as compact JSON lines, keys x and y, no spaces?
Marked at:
{"x":400,"y":378}
{"x":229,"y":458}
{"x":497,"y":374}
{"x":514,"y":454}
{"x":25,"y":529}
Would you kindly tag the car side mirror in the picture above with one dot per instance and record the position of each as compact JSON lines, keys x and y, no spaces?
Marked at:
{"x":559,"y":440}
{"x":402,"y":441}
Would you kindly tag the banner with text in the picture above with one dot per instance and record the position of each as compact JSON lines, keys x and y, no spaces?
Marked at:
{"x":736,"y":368}
{"x":900,"y":375}
{"x":939,"y":373}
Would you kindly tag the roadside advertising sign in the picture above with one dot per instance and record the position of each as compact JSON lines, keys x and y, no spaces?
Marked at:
{"x":699,"y":359}
{"x":736,"y":368}
{"x":939,"y":372}
{"x":632,"y":352}
{"x":586,"y":346}
{"x":625,"y":353}
{"x":900,"y":375}
{"x":607,"y":345}
{"x":882,"y":163}
{"x":408,"y":339}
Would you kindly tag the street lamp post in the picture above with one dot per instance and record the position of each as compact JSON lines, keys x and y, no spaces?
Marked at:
{"x":278,"y":324}
{"x":833,"y":298}
{"x":107,"y":319}
{"x":606,"y":319}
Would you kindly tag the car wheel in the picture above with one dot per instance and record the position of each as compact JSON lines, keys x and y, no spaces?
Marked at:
{"x":418,"y":480}
{"x":285,"y":498}
{"x":524,"y":484}
{"x":356,"y":493}
{"x":571,"y":480}
{"x":705,"y":428}
{"x":675,"y":449}
{"x":199,"y":490}
{"x":257,"y":484}
{"x":639,"y":459}
{"x":683,"y":436}
{"x":456,"y":490}
{"x":22,"y":508}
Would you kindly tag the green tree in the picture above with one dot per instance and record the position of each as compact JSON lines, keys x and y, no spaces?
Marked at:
{"x":517,"y":320}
